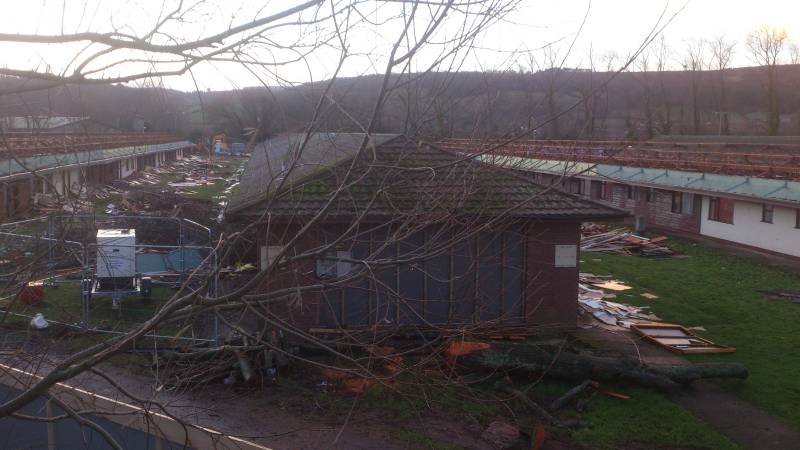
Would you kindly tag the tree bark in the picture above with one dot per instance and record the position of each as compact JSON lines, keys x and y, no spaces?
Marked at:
{"x":578,"y":367}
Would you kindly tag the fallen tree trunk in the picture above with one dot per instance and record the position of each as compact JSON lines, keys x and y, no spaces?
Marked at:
{"x":578,"y":367}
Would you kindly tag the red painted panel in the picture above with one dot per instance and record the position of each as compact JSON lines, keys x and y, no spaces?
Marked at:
{"x":726,"y":206}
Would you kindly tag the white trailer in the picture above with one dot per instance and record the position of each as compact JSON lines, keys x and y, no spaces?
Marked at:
{"x":116,"y":253}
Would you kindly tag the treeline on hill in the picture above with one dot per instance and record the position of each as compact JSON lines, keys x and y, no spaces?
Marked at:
{"x":556,"y":104}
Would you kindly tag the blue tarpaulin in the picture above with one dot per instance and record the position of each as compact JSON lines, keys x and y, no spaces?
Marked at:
{"x":151,"y":263}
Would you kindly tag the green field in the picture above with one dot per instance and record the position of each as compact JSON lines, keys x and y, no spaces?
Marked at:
{"x":718,"y":291}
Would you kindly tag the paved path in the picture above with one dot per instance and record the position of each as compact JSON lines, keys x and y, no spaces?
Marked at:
{"x":743,"y":423}
{"x":740,"y":421}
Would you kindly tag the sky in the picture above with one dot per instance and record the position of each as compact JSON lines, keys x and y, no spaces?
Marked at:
{"x":617,"y":26}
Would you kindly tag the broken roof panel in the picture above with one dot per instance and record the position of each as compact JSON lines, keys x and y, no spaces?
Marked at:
{"x":271,"y":161}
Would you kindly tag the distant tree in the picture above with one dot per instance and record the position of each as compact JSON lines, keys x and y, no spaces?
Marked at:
{"x":588,"y":95}
{"x":643,"y":65}
{"x":662,"y":56}
{"x":794,"y":53}
{"x":552,"y":69}
{"x":766,"y":45}
{"x":722,"y":50}
{"x":609,"y":61}
{"x":695,"y":61}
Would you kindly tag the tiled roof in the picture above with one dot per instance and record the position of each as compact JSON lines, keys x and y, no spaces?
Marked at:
{"x":397,"y":176}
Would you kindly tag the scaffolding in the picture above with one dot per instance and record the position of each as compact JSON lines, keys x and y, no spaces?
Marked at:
{"x":31,"y":144}
{"x":775,"y":161}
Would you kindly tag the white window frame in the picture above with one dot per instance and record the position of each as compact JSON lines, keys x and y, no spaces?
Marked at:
{"x":332,"y":265}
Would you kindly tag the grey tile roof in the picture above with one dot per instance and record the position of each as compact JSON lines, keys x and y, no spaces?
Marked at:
{"x":400,"y":177}
{"x":279,"y":162}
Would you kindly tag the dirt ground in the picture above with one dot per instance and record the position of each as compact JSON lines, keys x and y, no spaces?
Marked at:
{"x":296,"y":413}
{"x":283,"y":417}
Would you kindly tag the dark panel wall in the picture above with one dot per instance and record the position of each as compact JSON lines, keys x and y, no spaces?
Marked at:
{"x":499,"y":277}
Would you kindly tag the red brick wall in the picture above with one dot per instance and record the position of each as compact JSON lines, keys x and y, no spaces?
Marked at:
{"x":19,"y":196}
{"x":657,"y":213}
{"x":551,"y":292}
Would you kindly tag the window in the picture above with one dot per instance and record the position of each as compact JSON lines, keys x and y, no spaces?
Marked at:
{"x":630,"y":192}
{"x":576,"y":186}
{"x":332,"y":266}
{"x":767,"y":211}
{"x":650,"y":195}
{"x":597,"y":189}
{"x":682,"y":203}
{"x":688,"y":203}
{"x":713,"y":208}
{"x":797,"y":218}
{"x":720,"y":209}
{"x":677,"y":202}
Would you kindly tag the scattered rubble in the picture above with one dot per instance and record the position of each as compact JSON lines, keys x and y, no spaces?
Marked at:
{"x":599,"y":238}
{"x":39,"y":322}
{"x":591,"y":299}
{"x":164,"y":190}
{"x":678,"y":339}
{"x":620,"y":317}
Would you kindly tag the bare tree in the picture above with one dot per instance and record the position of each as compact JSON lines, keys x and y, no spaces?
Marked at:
{"x":643,"y":66}
{"x":297,"y":267}
{"x":696,"y":61}
{"x":259,"y":42}
{"x":766,"y":46}
{"x":662,"y":56}
{"x":722,"y":51}
{"x":794,"y":53}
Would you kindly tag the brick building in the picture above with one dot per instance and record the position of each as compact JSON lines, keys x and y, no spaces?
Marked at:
{"x":63,"y":165}
{"x":747,"y":194}
{"x":415,"y":236}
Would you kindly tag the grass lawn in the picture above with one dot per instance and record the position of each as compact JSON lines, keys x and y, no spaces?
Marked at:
{"x":208,"y":191}
{"x":717,"y":290}
{"x":63,"y":304}
{"x":646,"y":420}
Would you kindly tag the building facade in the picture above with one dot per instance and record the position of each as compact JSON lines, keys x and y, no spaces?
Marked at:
{"x":65,"y":165}
{"x":423,"y":239}
{"x":756,"y":212}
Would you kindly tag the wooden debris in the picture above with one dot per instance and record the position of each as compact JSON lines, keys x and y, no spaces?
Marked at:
{"x":649,"y":296}
{"x":678,"y":339}
{"x":613,"y":394}
{"x":613,"y":285}
{"x":596,"y":238}
{"x":538,"y":437}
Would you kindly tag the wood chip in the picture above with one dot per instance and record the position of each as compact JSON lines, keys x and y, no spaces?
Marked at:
{"x":613,"y":285}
